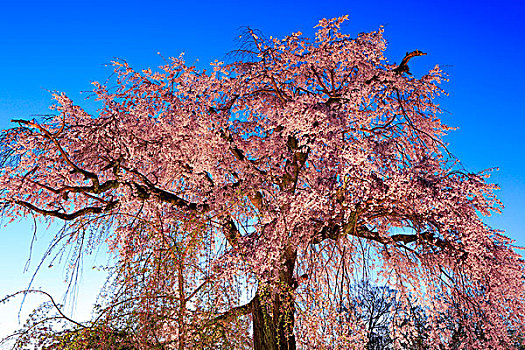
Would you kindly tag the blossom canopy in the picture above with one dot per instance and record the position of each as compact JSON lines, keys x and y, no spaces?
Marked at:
{"x":284,"y":163}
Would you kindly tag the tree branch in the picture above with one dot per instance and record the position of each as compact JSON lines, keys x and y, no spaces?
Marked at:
{"x":68,"y":216}
{"x":403,"y":66}
{"x":51,"y":137}
{"x":235,"y":312}
{"x":355,"y":229}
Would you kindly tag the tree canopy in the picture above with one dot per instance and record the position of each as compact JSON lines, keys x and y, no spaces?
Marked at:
{"x":239,"y":201}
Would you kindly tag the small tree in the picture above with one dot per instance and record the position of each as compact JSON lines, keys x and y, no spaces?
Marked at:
{"x":231,"y":183}
{"x":375,"y":306}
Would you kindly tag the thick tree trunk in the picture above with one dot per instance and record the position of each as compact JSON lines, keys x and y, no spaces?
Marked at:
{"x":273,"y":312}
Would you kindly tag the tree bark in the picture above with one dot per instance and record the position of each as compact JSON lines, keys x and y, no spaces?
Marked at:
{"x":273,"y":311}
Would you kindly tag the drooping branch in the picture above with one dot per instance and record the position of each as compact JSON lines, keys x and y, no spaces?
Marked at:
{"x":55,"y":305}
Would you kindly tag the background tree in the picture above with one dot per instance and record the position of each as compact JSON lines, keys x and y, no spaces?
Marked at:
{"x":230,"y":184}
{"x":375,"y":305}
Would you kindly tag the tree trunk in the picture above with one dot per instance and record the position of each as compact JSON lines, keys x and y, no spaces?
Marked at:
{"x":273,"y":312}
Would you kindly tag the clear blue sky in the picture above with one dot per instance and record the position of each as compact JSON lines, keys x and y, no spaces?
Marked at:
{"x":64,"y":45}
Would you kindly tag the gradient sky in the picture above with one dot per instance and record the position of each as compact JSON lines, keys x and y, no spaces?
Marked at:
{"x":65,"y":45}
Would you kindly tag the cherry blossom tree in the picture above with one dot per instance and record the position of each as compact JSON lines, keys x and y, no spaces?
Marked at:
{"x":237,"y":200}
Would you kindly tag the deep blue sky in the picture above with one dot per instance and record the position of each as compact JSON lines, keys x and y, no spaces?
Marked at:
{"x":64,"y":45}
